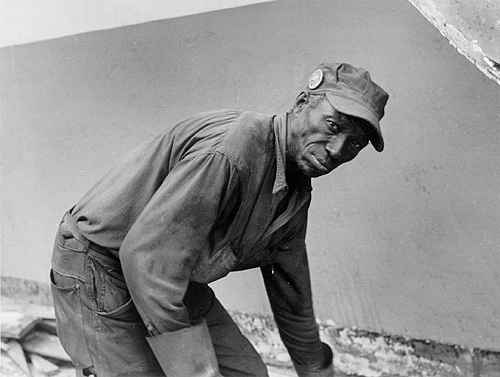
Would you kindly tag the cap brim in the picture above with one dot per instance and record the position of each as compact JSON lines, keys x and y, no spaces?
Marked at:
{"x":351,"y":107}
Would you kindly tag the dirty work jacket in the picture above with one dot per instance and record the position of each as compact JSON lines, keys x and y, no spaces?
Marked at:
{"x":199,"y":201}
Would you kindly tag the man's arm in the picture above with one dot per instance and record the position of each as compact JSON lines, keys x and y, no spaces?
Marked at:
{"x":160,"y":251}
{"x":288,"y":287}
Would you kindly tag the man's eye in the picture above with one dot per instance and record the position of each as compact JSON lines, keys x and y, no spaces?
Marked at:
{"x":356,"y":144}
{"x":333,"y":126}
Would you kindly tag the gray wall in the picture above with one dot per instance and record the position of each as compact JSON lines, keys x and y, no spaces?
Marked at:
{"x":405,"y":241}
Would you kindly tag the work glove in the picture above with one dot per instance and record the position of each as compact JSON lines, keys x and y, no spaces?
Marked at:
{"x":187,"y":352}
{"x":323,"y":370}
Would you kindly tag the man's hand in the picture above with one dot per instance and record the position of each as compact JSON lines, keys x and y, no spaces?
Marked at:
{"x":323,"y":370}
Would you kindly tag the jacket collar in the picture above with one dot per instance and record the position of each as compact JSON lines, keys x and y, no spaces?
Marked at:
{"x":281,"y":130}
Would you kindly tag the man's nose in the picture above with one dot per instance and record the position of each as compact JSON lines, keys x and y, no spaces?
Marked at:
{"x":335,"y":146}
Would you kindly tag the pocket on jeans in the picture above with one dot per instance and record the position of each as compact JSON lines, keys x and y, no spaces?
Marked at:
{"x":124,"y":313}
{"x":66,"y":292}
{"x":111,"y":293}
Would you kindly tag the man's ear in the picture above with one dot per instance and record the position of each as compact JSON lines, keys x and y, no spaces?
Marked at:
{"x":301,"y":100}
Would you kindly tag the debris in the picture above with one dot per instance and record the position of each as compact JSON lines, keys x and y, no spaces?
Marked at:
{"x":16,"y":353}
{"x":8,"y":368}
{"x":29,"y":337}
{"x":19,"y":306}
{"x":5,"y":346}
{"x":45,"y":345}
{"x":62,"y":372}
{"x":43,"y":366}
{"x":48,"y":326}
{"x":35,"y":372}
{"x":16,"y":325}
{"x":363,"y":353}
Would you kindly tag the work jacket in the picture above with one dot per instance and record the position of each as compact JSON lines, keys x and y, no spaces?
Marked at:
{"x":206,"y":197}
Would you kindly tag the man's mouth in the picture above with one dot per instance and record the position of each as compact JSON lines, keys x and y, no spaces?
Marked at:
{"x":318,"y":166}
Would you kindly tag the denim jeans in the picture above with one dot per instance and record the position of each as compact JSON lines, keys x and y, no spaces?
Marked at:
{"x":101,"y":330}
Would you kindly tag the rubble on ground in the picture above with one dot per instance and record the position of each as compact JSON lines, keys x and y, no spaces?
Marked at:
{"x":30,"y":346}
{"x":359,"y":353}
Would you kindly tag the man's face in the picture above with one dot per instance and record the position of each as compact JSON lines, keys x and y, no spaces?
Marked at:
{"x":321,"y":139}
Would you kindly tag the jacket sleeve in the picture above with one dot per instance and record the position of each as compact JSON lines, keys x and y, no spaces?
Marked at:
{"x":160,"y":251}
{"x":288,"y":286}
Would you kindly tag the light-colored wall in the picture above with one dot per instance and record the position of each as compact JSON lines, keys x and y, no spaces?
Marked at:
{"x":27,"y":21}
{"x":405,"y":241}
{"x":472,"y":26}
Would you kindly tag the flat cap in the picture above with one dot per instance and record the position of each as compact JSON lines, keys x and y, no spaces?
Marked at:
{"x":350,"y":90}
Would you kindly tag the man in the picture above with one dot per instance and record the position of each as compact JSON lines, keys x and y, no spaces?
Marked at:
{"x":219,"y":192}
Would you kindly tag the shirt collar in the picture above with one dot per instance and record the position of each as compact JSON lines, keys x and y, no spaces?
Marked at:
{"x":281,"y":129}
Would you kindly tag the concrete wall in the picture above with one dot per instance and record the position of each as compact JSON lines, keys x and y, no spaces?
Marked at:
{"x":472,"y":26}
{"x":405,"y":241}
{"x":27,"y":21}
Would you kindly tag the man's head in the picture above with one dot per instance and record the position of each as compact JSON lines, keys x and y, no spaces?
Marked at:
{"x":334,"y":118}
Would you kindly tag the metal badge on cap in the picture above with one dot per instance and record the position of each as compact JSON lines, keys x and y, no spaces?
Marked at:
{"x":315,"y":79}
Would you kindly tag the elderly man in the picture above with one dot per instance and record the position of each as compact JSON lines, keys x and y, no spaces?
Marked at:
{"x":219,"y":192}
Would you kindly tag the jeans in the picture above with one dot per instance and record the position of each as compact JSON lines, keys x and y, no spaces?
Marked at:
{"x":100,"y":328}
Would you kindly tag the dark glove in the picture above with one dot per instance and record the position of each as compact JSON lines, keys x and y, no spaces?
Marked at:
{"x":323,"y":370}
{"x":187,"y":352}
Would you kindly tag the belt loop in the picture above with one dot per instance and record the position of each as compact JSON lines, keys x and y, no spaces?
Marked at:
{"x":72,"y":226}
